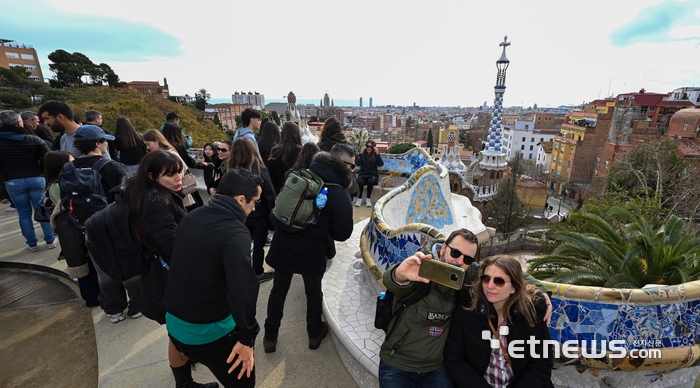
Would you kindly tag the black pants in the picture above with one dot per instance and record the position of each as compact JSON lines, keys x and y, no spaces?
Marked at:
{"x":258,"y":227}
{"x":368,"y":180}
{"x":213,"y":355}
{"x":113,"y":293}
{"x":278,"y":294}
{"x":90,"y":287}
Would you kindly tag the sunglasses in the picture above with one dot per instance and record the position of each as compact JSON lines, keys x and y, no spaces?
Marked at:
{"x":352,"y":165}
{"x":224,"y":150}
{"x":455,"y":254}
{"x":499,"y":282}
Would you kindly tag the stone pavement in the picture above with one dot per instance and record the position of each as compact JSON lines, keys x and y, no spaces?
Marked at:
{"x":133,"y":353}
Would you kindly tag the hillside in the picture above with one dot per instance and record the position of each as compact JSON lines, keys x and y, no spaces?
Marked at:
{"x":144,"y":112}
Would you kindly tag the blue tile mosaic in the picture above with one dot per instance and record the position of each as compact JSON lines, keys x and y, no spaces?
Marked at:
{"x":428,"y":204}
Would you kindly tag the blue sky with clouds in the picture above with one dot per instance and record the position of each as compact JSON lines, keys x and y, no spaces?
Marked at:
{"x":441,"y":52}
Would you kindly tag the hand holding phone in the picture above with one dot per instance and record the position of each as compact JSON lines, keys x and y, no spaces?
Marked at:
{"x":442,"y":273}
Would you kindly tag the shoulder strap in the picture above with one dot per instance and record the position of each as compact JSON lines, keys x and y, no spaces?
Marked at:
{"x":100,"y":163}
{"x":410,"y":299}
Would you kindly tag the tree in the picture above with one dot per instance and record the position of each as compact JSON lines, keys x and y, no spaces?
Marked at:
{"x":276,"y":117}
{"x":607,"y":258}
{"x":217,"y":120}
{"x":16,"y":81}
{"x":507,"y":211}
{"x":429,"y":144}
{"x":14,"y":100}
{"x":69,"y":70}
{"x":201,"y":98}
{"x":400,"y":148}
{"x":359,"y":139}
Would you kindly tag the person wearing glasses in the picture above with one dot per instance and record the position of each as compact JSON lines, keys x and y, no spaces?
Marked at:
{"x":500,"y":299}
{"x":251,"y":120}
{"x":413,"y":355}
{"x":368,"y":160}
{"x":308,"y":251}
{"x":220,"y":165}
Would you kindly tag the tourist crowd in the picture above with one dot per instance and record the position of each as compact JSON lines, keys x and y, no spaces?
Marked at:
{"x":206,"y":258}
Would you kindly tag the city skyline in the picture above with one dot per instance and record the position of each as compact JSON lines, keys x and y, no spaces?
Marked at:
{"x":438,"y":55}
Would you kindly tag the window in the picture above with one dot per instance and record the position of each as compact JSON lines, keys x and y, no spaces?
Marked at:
{"x":685,"y":127}
{"x":560,"y":161}
{"x":532,"y":140}
{"x":30,"y":67}
{"x":28,"y":57}
{"x":562,"y":148}
{"x":34,"y":77}
{"x":522,"y":147}
{"x":530,"y":157}
{"x":541,"y":139}
{"x":14,"y":64}
{"x":606,"y":164}
{"x":568,"y":164}
{"x":571,"y":152}
{"x":12,"y":55}
{"x":531,"y":148}
{"x":556,"y":147}
{"x":523,"y":138}
{"x":653,"y":108}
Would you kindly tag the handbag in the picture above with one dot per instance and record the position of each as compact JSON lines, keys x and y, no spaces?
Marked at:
{"x":189,"y":183}
{"x":44,"y":209}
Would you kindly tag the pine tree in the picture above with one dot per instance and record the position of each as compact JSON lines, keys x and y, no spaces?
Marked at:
{"x":430,"y":141}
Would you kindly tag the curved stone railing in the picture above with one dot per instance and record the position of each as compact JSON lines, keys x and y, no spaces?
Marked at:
{"x":424,"y":208}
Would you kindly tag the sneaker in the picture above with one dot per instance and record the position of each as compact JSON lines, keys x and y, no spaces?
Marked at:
{"x":136,"y":316}
{"x":265,"y":276}
{"x":116,"y":317}
{"x":33,"y":248}
{"x":53,"y":244}
{"x":368,"y":202}
{"x":10,"y":209}
{"x":314,"y":343}
{"x":269,"y":345}
{"x":358,"y":202}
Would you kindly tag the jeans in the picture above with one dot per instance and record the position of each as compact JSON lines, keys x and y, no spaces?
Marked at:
{"x":390,"y":377}
{"x":213,"y":355}
{"x":130,"y":168}
{"x":278,"y":294}
{"x":258,"y":227}
{"x":26,"y":194}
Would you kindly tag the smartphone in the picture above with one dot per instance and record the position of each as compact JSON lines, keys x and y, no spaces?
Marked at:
{"x":442,"y":273}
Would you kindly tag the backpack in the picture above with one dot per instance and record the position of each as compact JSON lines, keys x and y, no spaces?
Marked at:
{"x":81,"y":191}
{"x":112,"y":242}
{"x":295,"y":205}
{"x":383,"y":314}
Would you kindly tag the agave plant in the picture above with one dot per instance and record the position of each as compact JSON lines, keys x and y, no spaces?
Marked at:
{"x":638,"y":256}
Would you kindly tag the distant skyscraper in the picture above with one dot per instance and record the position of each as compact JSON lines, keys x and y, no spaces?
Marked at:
{"x":360,"y":102}
{"x":326,"y":100}
{"x":370,"y":102}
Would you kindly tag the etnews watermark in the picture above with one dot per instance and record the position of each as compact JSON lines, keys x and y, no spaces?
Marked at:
{"x":573,"y":348}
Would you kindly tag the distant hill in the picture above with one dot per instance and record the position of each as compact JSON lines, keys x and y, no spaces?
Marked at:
{"x":144,"y":112}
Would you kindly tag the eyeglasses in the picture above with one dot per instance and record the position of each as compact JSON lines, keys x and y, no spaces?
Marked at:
{"x":352,"y":165}
{"x":224,"y":150}
{"x":455,"y":254}
{"x":257,"y":202}
{"x":369,"y":146}
{"x":498,"y":281}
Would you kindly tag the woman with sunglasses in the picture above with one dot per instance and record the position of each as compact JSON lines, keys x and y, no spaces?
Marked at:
{"x":502,"y":303}
{"x":368,"y":160}
{"x":220,"y":165}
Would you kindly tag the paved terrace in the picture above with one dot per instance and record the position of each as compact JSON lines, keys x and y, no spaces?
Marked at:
{"x":132,"y":353}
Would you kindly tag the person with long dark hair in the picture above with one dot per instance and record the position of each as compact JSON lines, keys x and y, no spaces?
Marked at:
{"x":331,"y":134}
{"x":368,"y":160}
{"x":499,"y":299}
{"x":244,"y":155}
{"x":210,"y":159}
{"x":220,"y":167}
{"x":156,"y":210}
{"x":283,"y":155}
{"x":269,"y":137}
{"x":129,"y":143}
{"x":308,"y":151}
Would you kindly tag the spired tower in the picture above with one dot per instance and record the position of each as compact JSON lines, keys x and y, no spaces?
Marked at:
{"x":479,"y":180}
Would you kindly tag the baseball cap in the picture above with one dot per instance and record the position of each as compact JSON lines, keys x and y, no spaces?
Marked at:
{"x":91,"y":132}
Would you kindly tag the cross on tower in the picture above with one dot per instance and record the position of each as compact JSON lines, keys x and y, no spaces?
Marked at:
{"x":505,"y":42}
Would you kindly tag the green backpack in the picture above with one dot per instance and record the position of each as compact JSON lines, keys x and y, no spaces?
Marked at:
{"x":295,"y":205}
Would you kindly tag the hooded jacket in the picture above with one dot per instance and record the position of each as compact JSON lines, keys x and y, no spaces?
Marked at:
{"x":245,"y":132}
{"x":306,"y":252}
{"x":21,"y":154}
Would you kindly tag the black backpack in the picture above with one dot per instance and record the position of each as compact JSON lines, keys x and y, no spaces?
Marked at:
{"x":81,"y":191}
{"x":383,"y":315}
{"x":112,"y":242}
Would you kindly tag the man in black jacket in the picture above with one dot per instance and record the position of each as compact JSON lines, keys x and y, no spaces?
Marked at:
{"x":21,"y":165}
{"x":212,"y":289}
{"x":308,"y":251}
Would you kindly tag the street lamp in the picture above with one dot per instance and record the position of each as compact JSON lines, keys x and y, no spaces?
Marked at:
{"x":560,"y":200}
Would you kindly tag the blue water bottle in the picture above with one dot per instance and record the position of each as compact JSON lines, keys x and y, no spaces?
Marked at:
{"x":382,"y":295}
{"x":321,"y":198}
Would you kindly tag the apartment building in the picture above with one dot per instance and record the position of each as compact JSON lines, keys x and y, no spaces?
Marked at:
{"x":13,"y":54}
{"x":227,"y":113}
{"x":524,"y":137}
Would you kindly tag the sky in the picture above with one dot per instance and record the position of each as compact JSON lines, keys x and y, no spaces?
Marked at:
{"x":431,"y":53}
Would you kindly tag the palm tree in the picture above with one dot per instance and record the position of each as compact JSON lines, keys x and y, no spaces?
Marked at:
{"x":638,"y":256}
{"x":359,"y":139}
{"x":204,"y":94}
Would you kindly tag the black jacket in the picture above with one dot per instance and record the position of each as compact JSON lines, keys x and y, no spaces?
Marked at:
{"x":367,"y":166}
{"x":130,"y":156}
{"x":467,"y":354}
{"x":278,"y":167}
{"x":306,"y":252}
{"x":210,"y":273}
{"x":267,"y":197}
{"x":21,"y":154}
